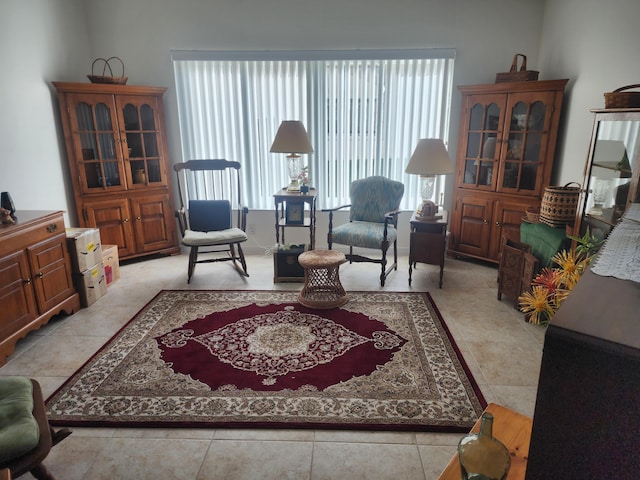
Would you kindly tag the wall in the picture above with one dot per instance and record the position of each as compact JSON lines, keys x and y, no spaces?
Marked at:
{"x":45,"y":40}
{"x":595,"y":44}
{"x":40,"y":41}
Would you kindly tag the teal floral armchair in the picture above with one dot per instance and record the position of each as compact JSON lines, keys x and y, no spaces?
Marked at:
{"x":373,"y":220}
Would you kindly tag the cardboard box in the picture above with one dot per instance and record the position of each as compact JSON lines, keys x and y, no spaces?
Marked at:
{"x":84,"y":248}
{"x":285,"y":263}
{"x":111,"y":263}
{"x":91,"y":284}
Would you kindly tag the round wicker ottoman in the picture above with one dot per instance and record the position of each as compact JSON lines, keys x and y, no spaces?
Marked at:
{"x":322,"y":288}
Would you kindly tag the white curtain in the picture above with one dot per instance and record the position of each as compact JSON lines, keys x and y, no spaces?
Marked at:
{"x":364,"y":111}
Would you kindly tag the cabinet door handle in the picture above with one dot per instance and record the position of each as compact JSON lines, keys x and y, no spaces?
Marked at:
{"x":126,"y":220}
{"x":497,"y":224}
{"x":27,"y":281}
{"x":40,"y":275}
{"x":485,"y":221}
{"x":138,"y":218}
{"x":52,"y":227}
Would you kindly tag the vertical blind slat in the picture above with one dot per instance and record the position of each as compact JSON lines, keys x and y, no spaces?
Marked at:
{"x":364,"y":117}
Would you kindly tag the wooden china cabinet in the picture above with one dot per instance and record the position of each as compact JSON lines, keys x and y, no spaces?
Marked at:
{"x":505,"y":156}
{"x":116,"y":147}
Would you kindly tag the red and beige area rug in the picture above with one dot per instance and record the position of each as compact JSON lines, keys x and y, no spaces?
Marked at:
{"x":260,"y":359}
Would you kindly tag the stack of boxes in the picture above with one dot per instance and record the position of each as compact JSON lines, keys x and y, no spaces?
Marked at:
{"x":88,"y":269}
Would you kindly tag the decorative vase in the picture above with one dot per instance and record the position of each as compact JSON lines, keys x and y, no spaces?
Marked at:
{"x":140,"y":176}
{"x":481,"y":456}
{"x":6,"y":202}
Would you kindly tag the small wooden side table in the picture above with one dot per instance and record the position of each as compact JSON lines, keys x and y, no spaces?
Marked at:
{"x":290,"y":212}
{"x":322,"y":288}
{"x":513,"y":430}
{"x":428,"y":243}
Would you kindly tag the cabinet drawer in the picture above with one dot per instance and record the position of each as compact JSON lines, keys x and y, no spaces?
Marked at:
{"x":32,"y":232}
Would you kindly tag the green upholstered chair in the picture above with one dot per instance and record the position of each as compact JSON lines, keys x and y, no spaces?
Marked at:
{"x":373,"y":219}
{"x":25,"y":434}
{"x":209,"y":191}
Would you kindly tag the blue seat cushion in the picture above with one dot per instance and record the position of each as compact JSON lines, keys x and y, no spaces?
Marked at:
{"x":363,"y":234}
{"x":19,"y":432}
{"x":209,"y":215}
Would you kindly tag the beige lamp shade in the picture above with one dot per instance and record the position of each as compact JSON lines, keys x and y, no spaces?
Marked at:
{"x":291,"y":138}
{"x":430,"y":158}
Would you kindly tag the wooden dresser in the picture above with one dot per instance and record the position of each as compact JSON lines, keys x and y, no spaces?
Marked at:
{"x":587,"y":414}
{"x":35,"y":275}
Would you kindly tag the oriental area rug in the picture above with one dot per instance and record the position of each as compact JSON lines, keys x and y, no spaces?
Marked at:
{"x":383,"y":361}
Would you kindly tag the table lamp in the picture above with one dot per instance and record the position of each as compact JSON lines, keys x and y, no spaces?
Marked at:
{"x":430,"y":158}
{"x":292,"y":138}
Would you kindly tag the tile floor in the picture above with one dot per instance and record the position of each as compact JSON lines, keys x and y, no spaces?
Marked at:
{"x":502,"y":351}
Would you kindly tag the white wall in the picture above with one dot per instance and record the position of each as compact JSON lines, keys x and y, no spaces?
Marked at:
{"x":40,"y":41}
{"x":594,"y":44}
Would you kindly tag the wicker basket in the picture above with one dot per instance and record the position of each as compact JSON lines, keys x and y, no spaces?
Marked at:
{"x":122,"y":80}
{"x":620,"y":99}
{"x":515,"y":75}
{"x":559,"y":205}
{"x":533,"y":214}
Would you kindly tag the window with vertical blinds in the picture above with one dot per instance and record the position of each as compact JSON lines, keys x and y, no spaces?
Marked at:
{"x":364,"y":111}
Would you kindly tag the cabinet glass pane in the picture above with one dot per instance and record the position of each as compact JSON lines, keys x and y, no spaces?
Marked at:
{"x":148,"y":121}
{"x":493,"y":116}
{"x":532,"y":147}
{"x":142,"y":141}
{"x":526,"y":134}
{"x":478,"y":172}
{"x":482,"y":148}
{"x":529,"y":176}
{"x":97,"y":143}
{"x":130,"y":114}
{"x":614,"y":153}
{"x":154,"y":171}
{"x":150,"y":145}
{"x":473,"y":145}
{"x":476,"y":118}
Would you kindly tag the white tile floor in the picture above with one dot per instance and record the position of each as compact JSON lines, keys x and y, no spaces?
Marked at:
{"x":502,"y":351}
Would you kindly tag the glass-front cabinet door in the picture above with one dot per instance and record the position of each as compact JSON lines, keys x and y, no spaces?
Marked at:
{"x":525,"y":143}
{"x":141,"y":133}
{"x":613,"y":168}
{"x":506,"y":142}
{"x":483,"y":140}
{"x":97,"y":143}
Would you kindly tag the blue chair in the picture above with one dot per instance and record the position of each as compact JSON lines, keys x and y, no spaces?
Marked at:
{"x":373,"y":220}
{"x":207,"y":189}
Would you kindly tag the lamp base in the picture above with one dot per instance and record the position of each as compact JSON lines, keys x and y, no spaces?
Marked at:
{"x":427,"y":209}
{"x":294,"y":186}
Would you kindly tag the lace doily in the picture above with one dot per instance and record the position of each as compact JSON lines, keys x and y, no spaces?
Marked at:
{"x":620,"y":255}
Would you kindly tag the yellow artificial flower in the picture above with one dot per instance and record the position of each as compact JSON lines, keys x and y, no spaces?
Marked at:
{"x":536,"y":305}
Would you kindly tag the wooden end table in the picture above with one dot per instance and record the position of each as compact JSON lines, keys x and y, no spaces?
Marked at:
{"x":511,"y":428}
{"x":290,"y":212}
{"x":427,"y":243}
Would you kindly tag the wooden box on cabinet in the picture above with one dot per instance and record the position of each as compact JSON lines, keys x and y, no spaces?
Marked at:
{"x":506,"y":147}
{"x":116,"y":147}
{"x":35,"y":275}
